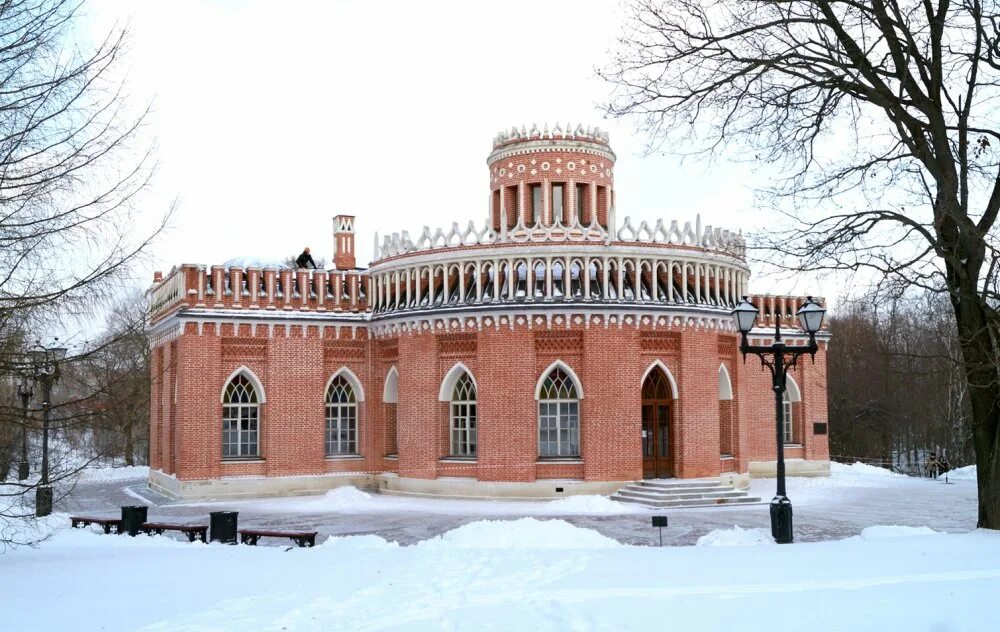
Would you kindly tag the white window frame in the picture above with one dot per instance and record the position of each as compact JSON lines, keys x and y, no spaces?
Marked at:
{"x":560,"y":416}
{"x":787,"y":421}
{"x":235,"y":413}
{"x":463,"y":419}
{"x":341,"y":432}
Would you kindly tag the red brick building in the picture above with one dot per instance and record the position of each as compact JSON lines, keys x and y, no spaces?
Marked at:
{"x":552,"y":350}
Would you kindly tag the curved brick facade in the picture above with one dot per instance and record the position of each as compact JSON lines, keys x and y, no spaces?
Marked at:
{"x":605,"y":308}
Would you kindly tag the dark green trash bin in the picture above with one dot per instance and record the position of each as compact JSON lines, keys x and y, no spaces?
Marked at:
{"x":222,"y":526}
{"x":132,"y":518}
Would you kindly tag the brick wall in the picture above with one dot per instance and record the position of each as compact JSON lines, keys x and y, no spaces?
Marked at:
{"x":294,"y":365}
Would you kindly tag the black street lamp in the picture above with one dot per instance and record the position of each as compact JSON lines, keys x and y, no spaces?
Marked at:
{"x":25,"y":392}
{"x":779,"y":358}
{"x":45,"y":370}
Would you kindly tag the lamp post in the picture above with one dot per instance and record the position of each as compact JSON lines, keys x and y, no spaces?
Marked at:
{"x":779,"y":358}
{"x":45,"y":365}
{"x":25,"y":391}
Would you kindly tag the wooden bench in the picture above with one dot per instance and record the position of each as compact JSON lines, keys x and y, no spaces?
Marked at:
{"x":302,"y":538}
{"x":192,"y":531}
{"x":108,"y":524}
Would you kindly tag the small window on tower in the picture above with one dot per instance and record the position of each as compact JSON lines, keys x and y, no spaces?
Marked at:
{"x":557,"y":202}
{"x":581,"y":192}
{"x":536,"y":204}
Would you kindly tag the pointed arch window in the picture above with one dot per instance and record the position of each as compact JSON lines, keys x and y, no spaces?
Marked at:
{"x":787,"y":423}
{"x":240,"y":419}
{"x":464,"y":417}
{"x":341,"y":418}
{"x":558,"y":416}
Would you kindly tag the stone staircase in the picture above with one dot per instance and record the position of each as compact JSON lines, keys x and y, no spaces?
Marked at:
{"x":683,"y":493}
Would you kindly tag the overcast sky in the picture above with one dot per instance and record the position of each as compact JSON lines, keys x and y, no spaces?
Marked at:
{"x":272,"y":117}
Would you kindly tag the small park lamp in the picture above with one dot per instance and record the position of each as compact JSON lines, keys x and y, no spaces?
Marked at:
{"x":46,"y":371}
{"x":779,"y":358}
{"x":25,"y":392}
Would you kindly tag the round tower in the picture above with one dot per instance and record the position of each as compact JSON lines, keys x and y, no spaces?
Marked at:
{"x":551,"y":176}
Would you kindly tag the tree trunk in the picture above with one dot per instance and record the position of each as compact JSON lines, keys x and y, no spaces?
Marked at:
{"x":130,"y":441}
{"x":984,"y":395}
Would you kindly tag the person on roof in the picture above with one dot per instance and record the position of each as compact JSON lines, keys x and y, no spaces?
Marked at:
{"x":305,"y":260}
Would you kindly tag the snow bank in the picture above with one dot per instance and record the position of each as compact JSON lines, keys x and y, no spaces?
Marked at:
{"x":589,"y":505}
{"x":860,"y":469}
{"x":883,"y":531}
{"x":967,"y":473}
{"x":526,"y":533}
{"x":357,"y":543}
{"x":22,"y":531}
{"x":736,"y":537}
{"x":111,"y":474}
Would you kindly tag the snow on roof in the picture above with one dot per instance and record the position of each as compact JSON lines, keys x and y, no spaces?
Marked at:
{"x":256,"y":262}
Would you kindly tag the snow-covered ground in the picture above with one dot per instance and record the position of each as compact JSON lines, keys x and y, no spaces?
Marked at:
{"x":854,"y":498}
{"x":525,"y":574}
{"x":873,"y":551}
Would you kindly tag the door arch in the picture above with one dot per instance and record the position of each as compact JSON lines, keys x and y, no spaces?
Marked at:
{"x":657,"y":425}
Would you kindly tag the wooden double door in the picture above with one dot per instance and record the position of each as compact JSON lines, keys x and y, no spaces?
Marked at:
{"x":657,"y":427}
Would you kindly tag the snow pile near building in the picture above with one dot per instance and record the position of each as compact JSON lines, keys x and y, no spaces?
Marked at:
{"x":526,"y":533}
{"x":883,"y":531}
{"x":967,"y":473}
{"x":590,"y":505}
{"x":112,"y":474}
{"x":736,"y":536}
{"x":341,"y":498}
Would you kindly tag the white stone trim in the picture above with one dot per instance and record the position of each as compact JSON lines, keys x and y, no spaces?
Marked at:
{"x":452,"y":376}
{"x":390,"y":391}
{"x":250,"y":375}
{"x":792,"y":388}
{"x":569,"y":371}
{"x":351,"y":377}
{"x":670,"y":376}
{"x":725,"y":383}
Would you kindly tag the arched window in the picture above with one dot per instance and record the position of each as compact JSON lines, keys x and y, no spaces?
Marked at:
{"x":558,"y":416}
{"x":341,"y":418}
{"x":727,"y":438}
{"x":792,"y":396}
{"x":787,"y":423}
{"x":463,"y":417}
{"x":390,"y":396}
{"x":240,"y":419}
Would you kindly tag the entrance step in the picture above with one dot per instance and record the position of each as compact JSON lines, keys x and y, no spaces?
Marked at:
{"x":689,"y":493}
{"x":685,"y":496}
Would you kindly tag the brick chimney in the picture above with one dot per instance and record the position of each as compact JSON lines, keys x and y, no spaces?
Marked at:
{"x":343,"y":242}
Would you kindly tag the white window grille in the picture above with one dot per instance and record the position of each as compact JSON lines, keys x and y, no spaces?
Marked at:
{"x":558,"y":416}
{"x":341,"y":418}
{"x":240,"y":420}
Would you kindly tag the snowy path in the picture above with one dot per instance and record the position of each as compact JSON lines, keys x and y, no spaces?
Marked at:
{"x":825,"y":509}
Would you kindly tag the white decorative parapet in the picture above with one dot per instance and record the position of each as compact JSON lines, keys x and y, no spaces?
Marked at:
{"x":558,"y":132}
{"x":707,"y":238}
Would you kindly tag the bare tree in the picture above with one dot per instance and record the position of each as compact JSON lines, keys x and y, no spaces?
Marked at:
{"x":881,"y":113}
{"x":73,"y":161}
{"x":895,"y":382}
{"x":113,"y":380}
